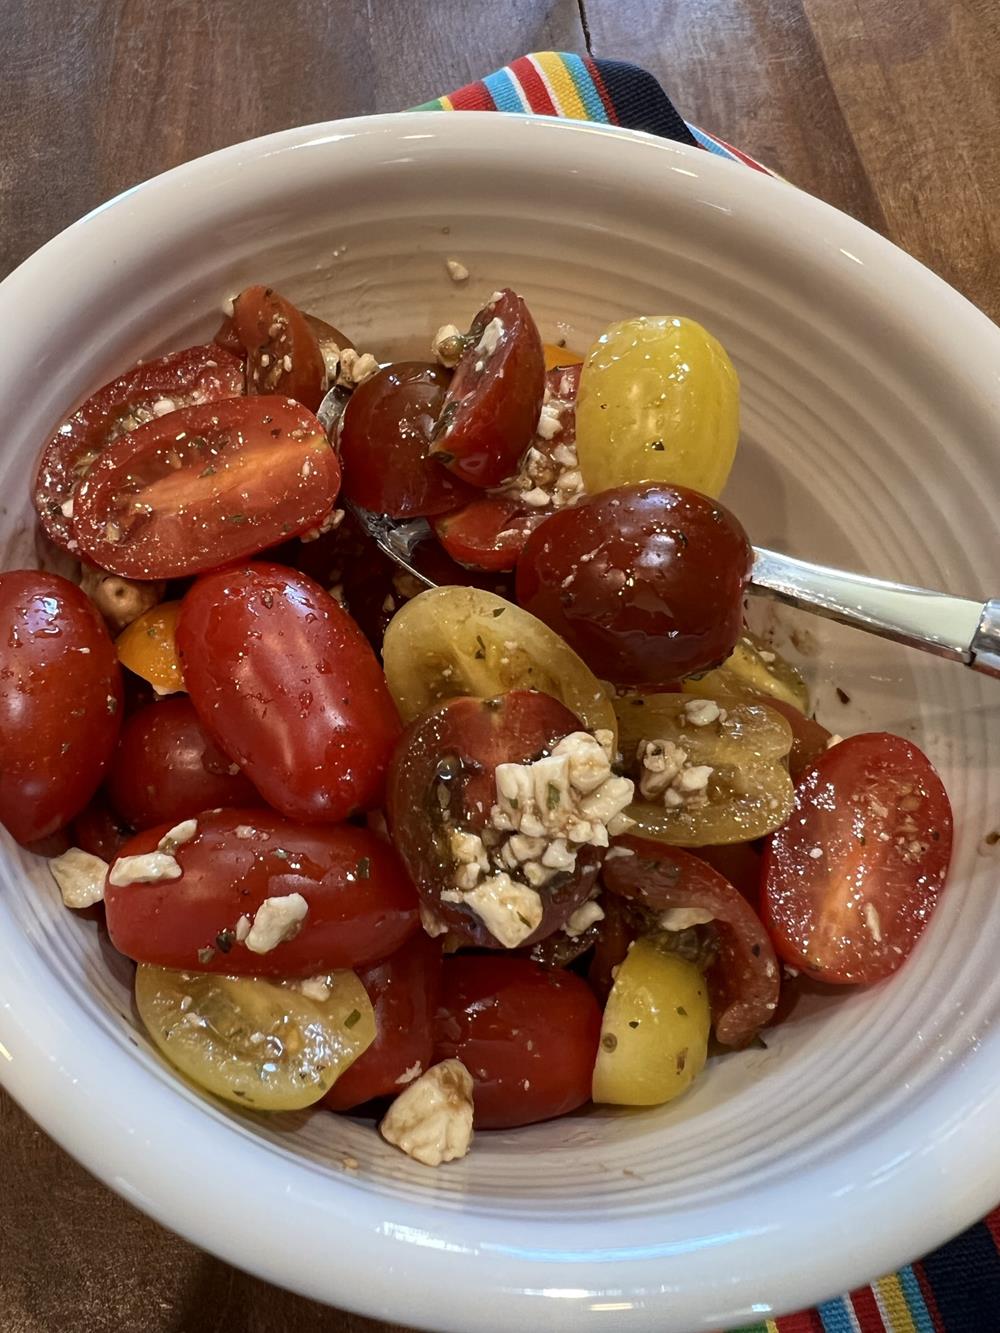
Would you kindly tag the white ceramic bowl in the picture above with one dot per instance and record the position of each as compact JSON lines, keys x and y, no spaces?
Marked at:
{"x":866,"y":1132}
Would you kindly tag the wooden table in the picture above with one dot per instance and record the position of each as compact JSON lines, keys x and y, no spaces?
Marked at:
{"x":889,"y":109}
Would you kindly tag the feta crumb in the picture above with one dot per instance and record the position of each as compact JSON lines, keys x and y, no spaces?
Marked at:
{"x":766,"y":656}
{"x":667,"y":772}
{"x":585,"y":916}
{"x":313,"y":988}
{"x":702,"y":712}
{"x":431,"y":1119}
{"x":332,"y":521}
{"x":615,"y":852}
{"x":355,"y":369}
{"x":873,"y":922}
{"x":433,"y":926}
{"x":683,"y":918}
{"x":510,"y":911}
{"x":815,"y":852}
{"x":80,"y":877}
{"x":144,"y":869}
{"x":448,"y":344}
{"x":178,"y":836}
{"x":456,"y":270}
{"x":242,"y":929}
{"x":276,"y":920}
{"x":549,"y":422}
{"x":408,"y":1075}
{"x":245,"y":831}
{"x":490,"y":337}
{"x":163,"y":407}
{"x":66,"y":508}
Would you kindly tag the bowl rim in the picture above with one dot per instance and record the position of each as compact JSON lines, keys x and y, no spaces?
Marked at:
{"x":554,"y":1275}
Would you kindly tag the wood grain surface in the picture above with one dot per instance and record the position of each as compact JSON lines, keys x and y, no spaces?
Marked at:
{"x":889,"y":109}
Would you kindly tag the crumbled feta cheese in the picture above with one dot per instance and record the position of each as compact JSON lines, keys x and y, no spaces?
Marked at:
{"x":178,"y":836}
{"x":332,"y":521}
{"x":766,"y":656}
{"x":66,"y":508}
{"x":815,"y":852}
{"x":355,"y":369}
{"x":314,"y":988}
{"x":448,"y":344}
{"x":668,"y":773}
{"x":144,"y":869}
{"x":431,"y":1119}
{"x":408,"y":1075}
{"x":615,"y":852}
{"x":509,"y":910}
{"x":873,"y":922}
{"x":242,"y":929}
{"x":245,"y":831}
{"x":163,"y":407}
{"x":682,"y":918}
{"x":549,"y":421}
{"x":80,"y":877}
{"x":490,"y":337}
{"x":433,"y":926}
{"x":702,"y":712}
{"x":276,"y":920}
{"x":585,"y":916}
{"x":456,"y":270}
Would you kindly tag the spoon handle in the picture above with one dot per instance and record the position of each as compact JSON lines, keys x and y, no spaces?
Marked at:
{"x":954,"y":627}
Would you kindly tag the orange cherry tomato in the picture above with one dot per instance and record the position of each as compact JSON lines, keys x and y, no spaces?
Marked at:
{"x":148,"y":648}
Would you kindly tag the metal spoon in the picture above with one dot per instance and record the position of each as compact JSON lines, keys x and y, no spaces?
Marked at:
{"x":935,"y":622}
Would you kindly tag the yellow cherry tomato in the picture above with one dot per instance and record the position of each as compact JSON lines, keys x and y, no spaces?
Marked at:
{"x":654,"y":1037}
{"x":258,"y":1043}
{"x":658,"y":401}
{"x":753,"y":666}
{"x":452,"y":641}
{"x":559,"y":356}
{"x":148,"y":648}
{"x":706,"y":771}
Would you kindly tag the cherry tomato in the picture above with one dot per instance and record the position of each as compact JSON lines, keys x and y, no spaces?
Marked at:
{"x":60,"y":701}
{"x":493,"y":402}
{"x":490,"y":531}
{"x":97,"y":829}
{"x":645,"y":582}
{"x":284,"y":682}
{"x":148,"y":647}
{"x":404,"y":991}
{"x":743,"y":981}
{"x":205,"y":486}
{"x":283,"y":352}
{"x":361,"y":904}
{"x":147,"y":391}
{"x":384,"y":438}
{"x":442,"y":782}
{"x":556,"y":357}
{"x":851,"y":880}
{"x":167,"y":768}
{"x":527,"y":1036}
{"x":741,"y":863}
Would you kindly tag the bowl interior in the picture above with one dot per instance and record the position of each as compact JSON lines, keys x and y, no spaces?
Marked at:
{"x":869,"y":421}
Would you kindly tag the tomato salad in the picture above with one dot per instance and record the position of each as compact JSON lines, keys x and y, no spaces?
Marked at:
{"x":553,"y":831}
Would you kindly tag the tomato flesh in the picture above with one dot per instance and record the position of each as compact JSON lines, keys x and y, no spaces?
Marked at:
{"x":852,"y":879}
{"x":60,"y":702}
{"x":167,"y":768}
{"x":527,"y":1036}
{"x":361,"y":904}
{"x":284,"y":682}
{"x":146,"y":392}
{"x":404,"y":992}
{"x":384,"y":439}
{"x":443,"y":778}
{"x":205,"y":486}
{"x":646,"y":582}
{"x":283,"y":352}
{"x":743,"y":981}
{"x":493,"y":402}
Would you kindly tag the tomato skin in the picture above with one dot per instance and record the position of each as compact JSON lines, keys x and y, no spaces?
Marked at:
{"x":384,"y":438}
{"x":195,"y":375}
{"x":656,"y":577}
{"x":404,"y":990}
{"x":167,"y":768}
{"x":528,"y":1037}
{"x":284,"y":682}
{"x":743,"y":981}
{"x":283,"y":352}
{"x":97,"y":829}
{"x":493,"y":402}
{"x":469,"y":738}
{"x":881,"y":819}
{"x":362,"y":906}
{"x":205,"y":486}
{"x":60,"y":702}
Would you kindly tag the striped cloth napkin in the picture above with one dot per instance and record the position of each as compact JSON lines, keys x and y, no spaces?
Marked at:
{"x":957,"y":1288}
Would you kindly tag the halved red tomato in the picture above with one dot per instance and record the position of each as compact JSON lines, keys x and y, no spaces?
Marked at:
{"x":384,"y":438}
{"x":442,"y":780}
{"x":493,"y":402}
{"x":743,"y":981}
{"x":205,"y":486}
{"x":148,"y":391}
{"x":404,"y":991}
{"x":283,"y":352}
{"x":527,"y":1035}
{"x":852,"y":879}
{"x":360,"y":903}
